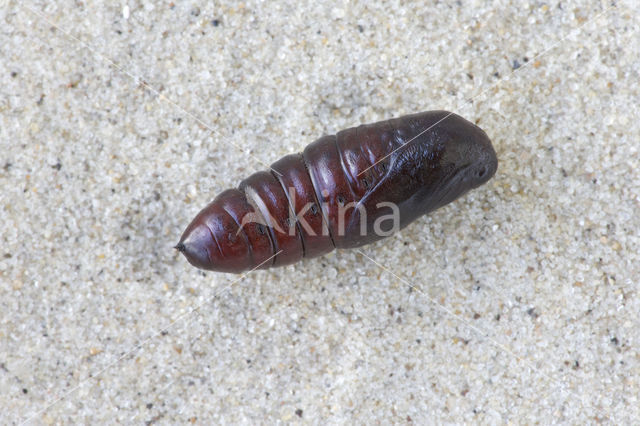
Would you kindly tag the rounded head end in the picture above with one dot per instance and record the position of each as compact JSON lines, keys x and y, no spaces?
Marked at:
{"x":471,"y":150}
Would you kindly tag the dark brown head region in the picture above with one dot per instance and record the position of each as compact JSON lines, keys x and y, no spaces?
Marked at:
{"x":466,"y":158}
{"x":431,"y":159}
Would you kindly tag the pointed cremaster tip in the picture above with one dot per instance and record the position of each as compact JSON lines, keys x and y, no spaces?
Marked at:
{"x":194,"y":246}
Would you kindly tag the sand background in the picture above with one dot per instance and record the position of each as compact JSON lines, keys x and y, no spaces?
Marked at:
{"x":516,"y":304}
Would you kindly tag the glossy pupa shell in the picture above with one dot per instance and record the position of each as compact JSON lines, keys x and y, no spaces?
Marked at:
{"x":343,"y":191}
